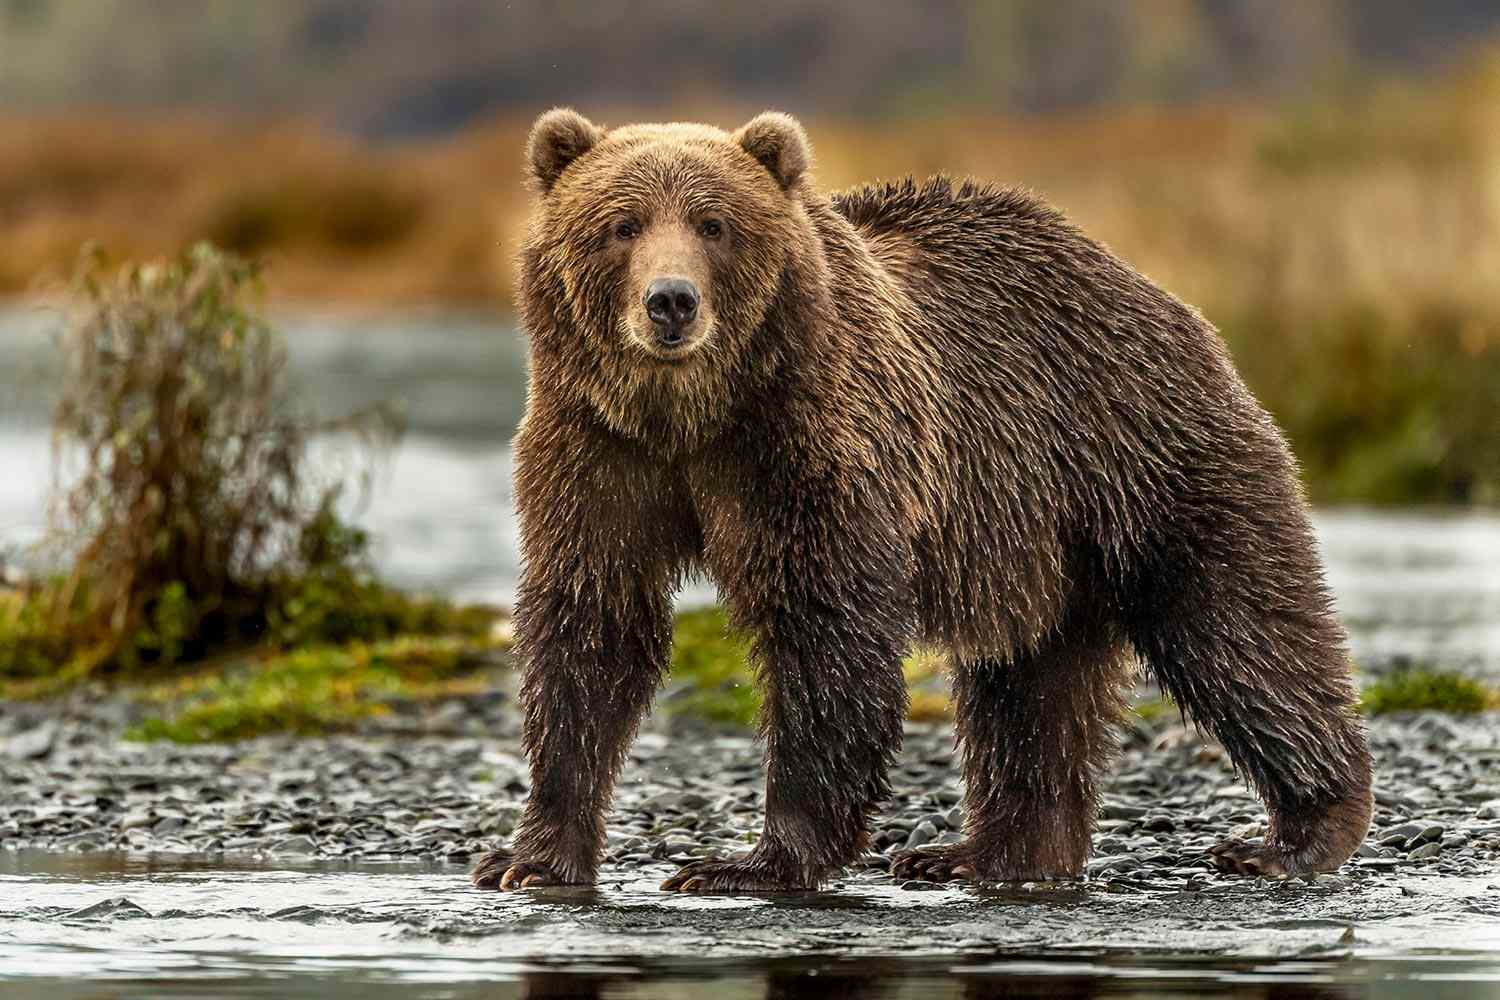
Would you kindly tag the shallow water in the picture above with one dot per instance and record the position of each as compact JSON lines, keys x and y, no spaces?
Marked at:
{"x":117,"y":925}
{"x":1421,"y":586}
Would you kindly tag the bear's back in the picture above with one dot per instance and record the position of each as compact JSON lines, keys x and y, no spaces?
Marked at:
{"x":936,"y":206}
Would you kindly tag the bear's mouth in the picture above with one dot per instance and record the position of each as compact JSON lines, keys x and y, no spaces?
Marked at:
{"x":671,"y":348}
{"x":673,"y":354}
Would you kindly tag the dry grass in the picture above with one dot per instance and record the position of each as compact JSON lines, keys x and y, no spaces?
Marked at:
{"x":1389,"y":201}
{"x":335,"y":221}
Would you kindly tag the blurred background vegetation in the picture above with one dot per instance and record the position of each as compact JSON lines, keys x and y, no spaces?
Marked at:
{"x":392,"y":68}
{"x":1321,"y":178}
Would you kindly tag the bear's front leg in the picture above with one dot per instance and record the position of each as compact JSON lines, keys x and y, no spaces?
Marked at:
{"x":821,"y":585}
{"x":832,"y":722}
{"x":591,"y":664}
{"x":602,"y":539}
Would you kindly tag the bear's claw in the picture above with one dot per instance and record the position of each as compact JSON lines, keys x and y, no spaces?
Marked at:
{"x":490,"y":869}
{"x":935,"y":864}
{"x":741,"y":874}
{"x":500,"y":870}
{"x":1248,"y":857}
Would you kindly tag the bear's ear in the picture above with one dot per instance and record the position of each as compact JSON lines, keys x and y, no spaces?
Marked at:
{"x":558,"y":138}
{"x":778,"y":142}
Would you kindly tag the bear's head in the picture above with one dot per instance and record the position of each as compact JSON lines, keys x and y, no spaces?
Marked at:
{"x":656,"y":255}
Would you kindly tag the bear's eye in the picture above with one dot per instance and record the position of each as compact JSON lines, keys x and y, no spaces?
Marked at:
{"x":710,"y":229}
{"x":629,"y":229}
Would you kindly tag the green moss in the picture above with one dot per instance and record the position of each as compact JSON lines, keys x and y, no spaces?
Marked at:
{"x":710,"y":670}
{"x":712,"y":679}
{"x":315,"y":690}
{"x":1155,"y":710}
{"x":41,"y":654}
{"x":927,"y":686}
{"x":1426,"y":690}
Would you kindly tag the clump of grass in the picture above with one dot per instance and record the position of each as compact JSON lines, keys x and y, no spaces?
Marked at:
{"x":194,"y":492}
{"x":315,"y":690}
{"x":1412,"y":690}
{"x":193,"y":518}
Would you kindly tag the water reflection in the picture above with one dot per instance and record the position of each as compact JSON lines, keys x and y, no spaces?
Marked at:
{"x":888,"y":982}
{"x":896,"y":980}
{"x":123,"y":925}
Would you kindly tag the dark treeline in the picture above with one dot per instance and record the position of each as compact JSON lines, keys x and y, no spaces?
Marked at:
{"x":395,"y":67}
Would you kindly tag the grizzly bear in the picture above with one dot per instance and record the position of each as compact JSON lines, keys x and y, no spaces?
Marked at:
{"x":908,"y":413}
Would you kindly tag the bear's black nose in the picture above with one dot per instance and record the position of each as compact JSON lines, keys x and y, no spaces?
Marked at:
{"x":671,"y":303}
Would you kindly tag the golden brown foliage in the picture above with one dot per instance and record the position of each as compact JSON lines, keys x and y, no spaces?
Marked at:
{"x":1391,"y":200}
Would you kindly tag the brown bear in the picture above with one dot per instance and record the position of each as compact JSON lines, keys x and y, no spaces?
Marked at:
{"x":911,"y":412}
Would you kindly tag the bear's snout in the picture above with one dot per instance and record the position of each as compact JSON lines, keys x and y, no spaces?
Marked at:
{"x":672,"y":304}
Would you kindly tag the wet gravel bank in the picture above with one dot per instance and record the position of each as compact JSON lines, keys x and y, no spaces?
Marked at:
{"x":445,"y":782}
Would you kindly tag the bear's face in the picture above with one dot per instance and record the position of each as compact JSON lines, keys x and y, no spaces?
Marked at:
{"x":656,"y":251}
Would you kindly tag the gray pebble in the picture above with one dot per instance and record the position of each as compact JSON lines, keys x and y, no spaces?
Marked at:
{"x":34,"y":743}
{"x":924,"y":833}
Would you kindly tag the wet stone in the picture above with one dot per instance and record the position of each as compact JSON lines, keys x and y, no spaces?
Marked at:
{"x":924,"y":833}
{"x":1115,"y":863}
{"x":139,"y":819}
{"x":33,"y":743}
{"x":119,"y":908}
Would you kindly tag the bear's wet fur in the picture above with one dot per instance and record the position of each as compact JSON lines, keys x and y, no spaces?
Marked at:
{"x":911,"y":412}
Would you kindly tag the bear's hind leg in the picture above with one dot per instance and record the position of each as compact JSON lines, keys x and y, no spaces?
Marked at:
{"x":1238,"y":627}
{"x":1034,"y":732}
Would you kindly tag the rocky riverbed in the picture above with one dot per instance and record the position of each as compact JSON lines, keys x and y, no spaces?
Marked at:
{"x":443,"y":782}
